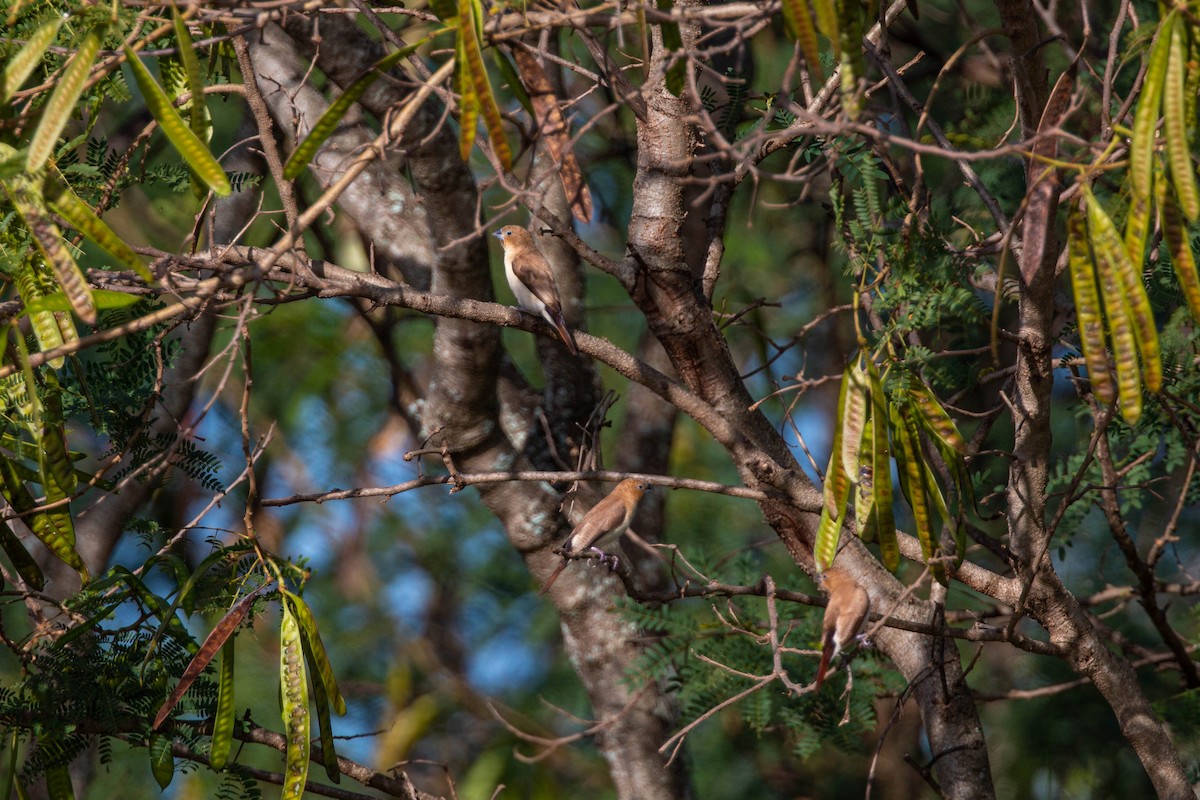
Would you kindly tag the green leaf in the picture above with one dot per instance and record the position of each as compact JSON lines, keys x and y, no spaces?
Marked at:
{"x":58,"y":783}
{"x":509,"y":72}
{"x":673,"y":43}
{"x":162,"y":763}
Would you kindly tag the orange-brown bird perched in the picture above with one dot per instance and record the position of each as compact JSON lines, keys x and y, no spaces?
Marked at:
{"x":531,"y":279}
{"x":848,"y":606}
{"x":606,"y":521}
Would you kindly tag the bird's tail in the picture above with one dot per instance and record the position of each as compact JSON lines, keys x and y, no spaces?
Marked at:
{"x":553,"y":577}
{"x":827,"y":650}
{"x":560,"y":325}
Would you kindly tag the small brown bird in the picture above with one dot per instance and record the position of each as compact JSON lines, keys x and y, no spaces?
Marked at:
{"x":606,"y":521}
{"x":531,"y":279}
{"x":848,"y":606}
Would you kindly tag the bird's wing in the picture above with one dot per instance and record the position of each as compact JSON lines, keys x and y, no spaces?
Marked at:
{"x":605,"y":517}
{"x":533,"y":270}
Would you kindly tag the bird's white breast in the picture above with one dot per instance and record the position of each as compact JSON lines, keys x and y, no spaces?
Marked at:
{"x":525,"y":298}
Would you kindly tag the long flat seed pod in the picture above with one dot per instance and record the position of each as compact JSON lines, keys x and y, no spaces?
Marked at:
{"x":324,"y":670}
{"x":53,"y":438}
{"x":864,"y":488}
{"x":27,"y":198}
{"x":850,"y":35}
{"x":293,"y":685}
{"x":1184,"y":260}
{"x":185,"y":142}
{"x":854,"y":417}
{"x":27,"y":58}
{"x":58,"y":511}
{"x":555,"y":133}
{"x":829,"y":532}
{"x":191,"y":68}
{"x":907,"y":451}
{"x":1179,"y":155}
{"x":61,"y":104}
{"x":208,"y":650}
{"x":799,"y":23}
{"x":935,"y":419}
{"x":1145,"y":117}
{"x":39,"y":522}
{"x":321,"y":704}
{"x":468,"y":107}
{"x":45,"y":325}
{"x":80,"y":216}
{"x":25,"y":564}
{"x":223,"y":720}
{"x":881,"y":457}
{"x":1108,"y":249}
{"x":836,"y":492}
{"x":329,"y":121}
{"x":1087,"y":306}
{"x":1120,"y":329}
{"x":469,"y":11}
{"x":1042,"y":196}
{"x":827,"y":20}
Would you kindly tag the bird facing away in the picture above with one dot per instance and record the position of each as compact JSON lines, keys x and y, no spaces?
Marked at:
{"x":606,"y":521}
{"x":848,"y":606}
{"x":532,"y":280}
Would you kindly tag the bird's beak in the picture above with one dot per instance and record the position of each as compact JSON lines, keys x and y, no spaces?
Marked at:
{"x":499,"y":234}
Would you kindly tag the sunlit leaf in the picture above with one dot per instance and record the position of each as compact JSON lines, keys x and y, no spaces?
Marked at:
{"x":162,"y":762}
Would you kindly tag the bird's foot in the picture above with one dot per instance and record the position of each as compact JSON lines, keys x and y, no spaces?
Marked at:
{"x":864,"y":641}
{"x":605,"y":558}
